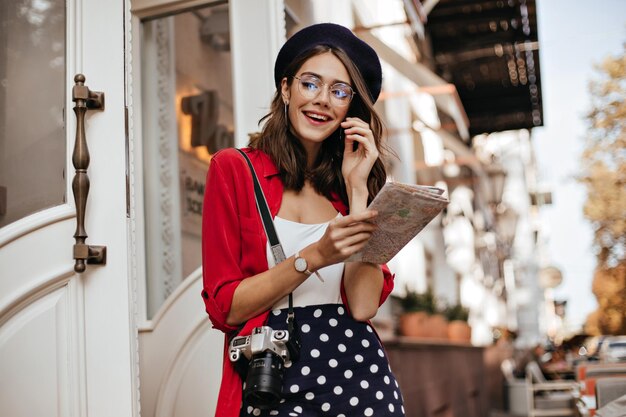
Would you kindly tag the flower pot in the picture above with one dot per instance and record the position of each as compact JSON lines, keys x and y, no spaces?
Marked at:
{"x":413,"y":324}
{"x":459,"y":331}
{"x":437,"y":326}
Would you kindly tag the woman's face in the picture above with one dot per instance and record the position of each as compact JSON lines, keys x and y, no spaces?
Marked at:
{"x":312,"y":120}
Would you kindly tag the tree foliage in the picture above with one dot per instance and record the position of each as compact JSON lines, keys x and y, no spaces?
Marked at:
{"x":604,"y":175}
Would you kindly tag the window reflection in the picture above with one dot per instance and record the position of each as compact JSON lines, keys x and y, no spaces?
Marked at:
{"x":187,"y":116}
{"x":32,"y":135}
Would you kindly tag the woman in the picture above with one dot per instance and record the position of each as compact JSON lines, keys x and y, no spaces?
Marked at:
{"x":317,"y":159}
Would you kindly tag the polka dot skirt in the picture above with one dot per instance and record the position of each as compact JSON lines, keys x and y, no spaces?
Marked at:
{"x":342,"y":372}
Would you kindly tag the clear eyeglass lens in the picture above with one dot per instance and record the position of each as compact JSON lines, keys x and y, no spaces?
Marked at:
{"x":310,"y":87}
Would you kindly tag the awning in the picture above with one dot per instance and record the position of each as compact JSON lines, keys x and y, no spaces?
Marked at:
{"x":446,"y":97}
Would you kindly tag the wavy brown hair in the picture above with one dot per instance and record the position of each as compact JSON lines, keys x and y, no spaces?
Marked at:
{"x":289,"y":155}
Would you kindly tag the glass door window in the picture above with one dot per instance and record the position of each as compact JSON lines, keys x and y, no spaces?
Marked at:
{"x":186,"y":117}
{"x":32,"y":100}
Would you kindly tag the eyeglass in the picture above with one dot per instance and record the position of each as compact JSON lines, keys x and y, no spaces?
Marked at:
{"x":310,"y":87}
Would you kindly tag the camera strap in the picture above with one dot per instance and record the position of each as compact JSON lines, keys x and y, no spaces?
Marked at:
{"x":272,"y":236}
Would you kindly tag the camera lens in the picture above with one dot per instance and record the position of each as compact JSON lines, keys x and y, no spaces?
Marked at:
{"x":264,"y":381}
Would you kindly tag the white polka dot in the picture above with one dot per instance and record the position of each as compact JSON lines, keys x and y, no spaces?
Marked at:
{"x":387,"y":380}
{"x":354,"y":401}
{"x":250,"y":409}
{"x":391,"y":408}
{"x":365,"y":343}
{"x":368,"y":412}
{"x":282,"y":400}
{"x":364,"y":384}
{"x":348,"y":374}
{"x":256,"y":412}
{"x":358,"y":358}
{"x":338,"y":390}
{"x":309,"y":396}
{"x":274,"y":413}
{"x":244,"y":387}
{"x":305,"y":370}
{"x":297,"y":409}
{"x":349,"y":333}
{"x":381,"y":353}
{"x":333,"y":363}
{"x":305,"y":328}
{"x":341,"y":347}
{"x":369,"y":329}
{"x":379,"y":395}
{"x":276,"y":312}
{"x":396,"y":382}
{"x":333,"y":322}
{"x":325,"y":407}
{"x":292,"y":414}
{"x":395,"y":394}
{"x":294,"y":388}
{"x":402,"y":408}
{"x":317,"y":313}
{"x":341,"y":415}
{"x":321,"y":379}
{"x":374,"y":368}
{"x":315,"y":353}
{"x":340,"y":310}
{"x":324,"y":337}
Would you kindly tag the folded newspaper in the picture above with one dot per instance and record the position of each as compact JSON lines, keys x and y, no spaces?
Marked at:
{"x":403,"y":211}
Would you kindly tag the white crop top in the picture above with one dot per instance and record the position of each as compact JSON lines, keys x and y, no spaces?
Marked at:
{"x":296,"y":236}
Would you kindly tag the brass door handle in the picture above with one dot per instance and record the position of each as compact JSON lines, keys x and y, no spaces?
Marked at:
{"x":84,"y":100}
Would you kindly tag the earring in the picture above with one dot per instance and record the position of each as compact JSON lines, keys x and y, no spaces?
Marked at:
{"x":286,"y":117}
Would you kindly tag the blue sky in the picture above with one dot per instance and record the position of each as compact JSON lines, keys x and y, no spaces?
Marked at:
{"x":574,"y":35}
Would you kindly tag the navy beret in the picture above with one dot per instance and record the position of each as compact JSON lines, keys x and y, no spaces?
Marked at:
{"x":333,"y":35}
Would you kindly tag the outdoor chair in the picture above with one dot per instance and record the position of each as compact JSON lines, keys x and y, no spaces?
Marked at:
{"x":609,"y":390}
{"x":549,"y":398}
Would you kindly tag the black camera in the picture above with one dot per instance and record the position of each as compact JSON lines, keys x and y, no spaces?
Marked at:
{"x":268,"y":351}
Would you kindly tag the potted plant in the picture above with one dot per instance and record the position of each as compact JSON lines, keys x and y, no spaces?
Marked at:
{"x":458,"y":328}
{"x":437,"y":325}
{"x":414,"y":314}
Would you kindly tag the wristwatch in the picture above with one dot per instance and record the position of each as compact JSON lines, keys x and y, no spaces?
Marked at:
{"x":301,"y":265}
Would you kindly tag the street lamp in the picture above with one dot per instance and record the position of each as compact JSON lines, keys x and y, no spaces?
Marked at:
{"x":506,"y":223}
{"x":496,"y":175}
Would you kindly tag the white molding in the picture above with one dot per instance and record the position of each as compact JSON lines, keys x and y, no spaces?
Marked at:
{"x":137,"y":218}
{"x":175,"y":372}
{"x":35,"y":221}
{"x":132,"y":244}
{"x":150,"y":325}
{"x":14,"y":302}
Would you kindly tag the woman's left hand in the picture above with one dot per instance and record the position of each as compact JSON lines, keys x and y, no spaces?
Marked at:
{"x":358,"y":163}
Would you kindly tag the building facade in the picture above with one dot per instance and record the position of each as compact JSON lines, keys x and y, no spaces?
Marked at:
{"x":100,"y":207}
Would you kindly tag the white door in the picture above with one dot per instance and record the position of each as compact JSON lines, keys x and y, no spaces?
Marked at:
{"x":67,"y":339}
{"x":196,"y":71}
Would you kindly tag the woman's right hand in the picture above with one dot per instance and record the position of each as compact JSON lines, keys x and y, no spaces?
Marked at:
{"x":344,"y":236}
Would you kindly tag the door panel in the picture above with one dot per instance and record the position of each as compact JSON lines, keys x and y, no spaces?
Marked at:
{"x":46,"y":371}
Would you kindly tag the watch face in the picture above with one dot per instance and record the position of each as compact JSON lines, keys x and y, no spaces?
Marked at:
{"x":300,"y":264}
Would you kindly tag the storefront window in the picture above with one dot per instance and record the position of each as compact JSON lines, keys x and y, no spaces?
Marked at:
{"x":32,"y":131}
{"x":187,"y":116}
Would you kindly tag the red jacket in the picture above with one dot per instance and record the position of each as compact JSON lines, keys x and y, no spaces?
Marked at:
{"x":234,"y":248}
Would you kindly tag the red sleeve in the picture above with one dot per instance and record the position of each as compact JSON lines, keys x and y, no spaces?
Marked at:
{"x":221,"y":242}
{"x":387,"y":284}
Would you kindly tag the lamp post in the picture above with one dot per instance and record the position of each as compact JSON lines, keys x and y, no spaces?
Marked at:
{"x":496,"y":175}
